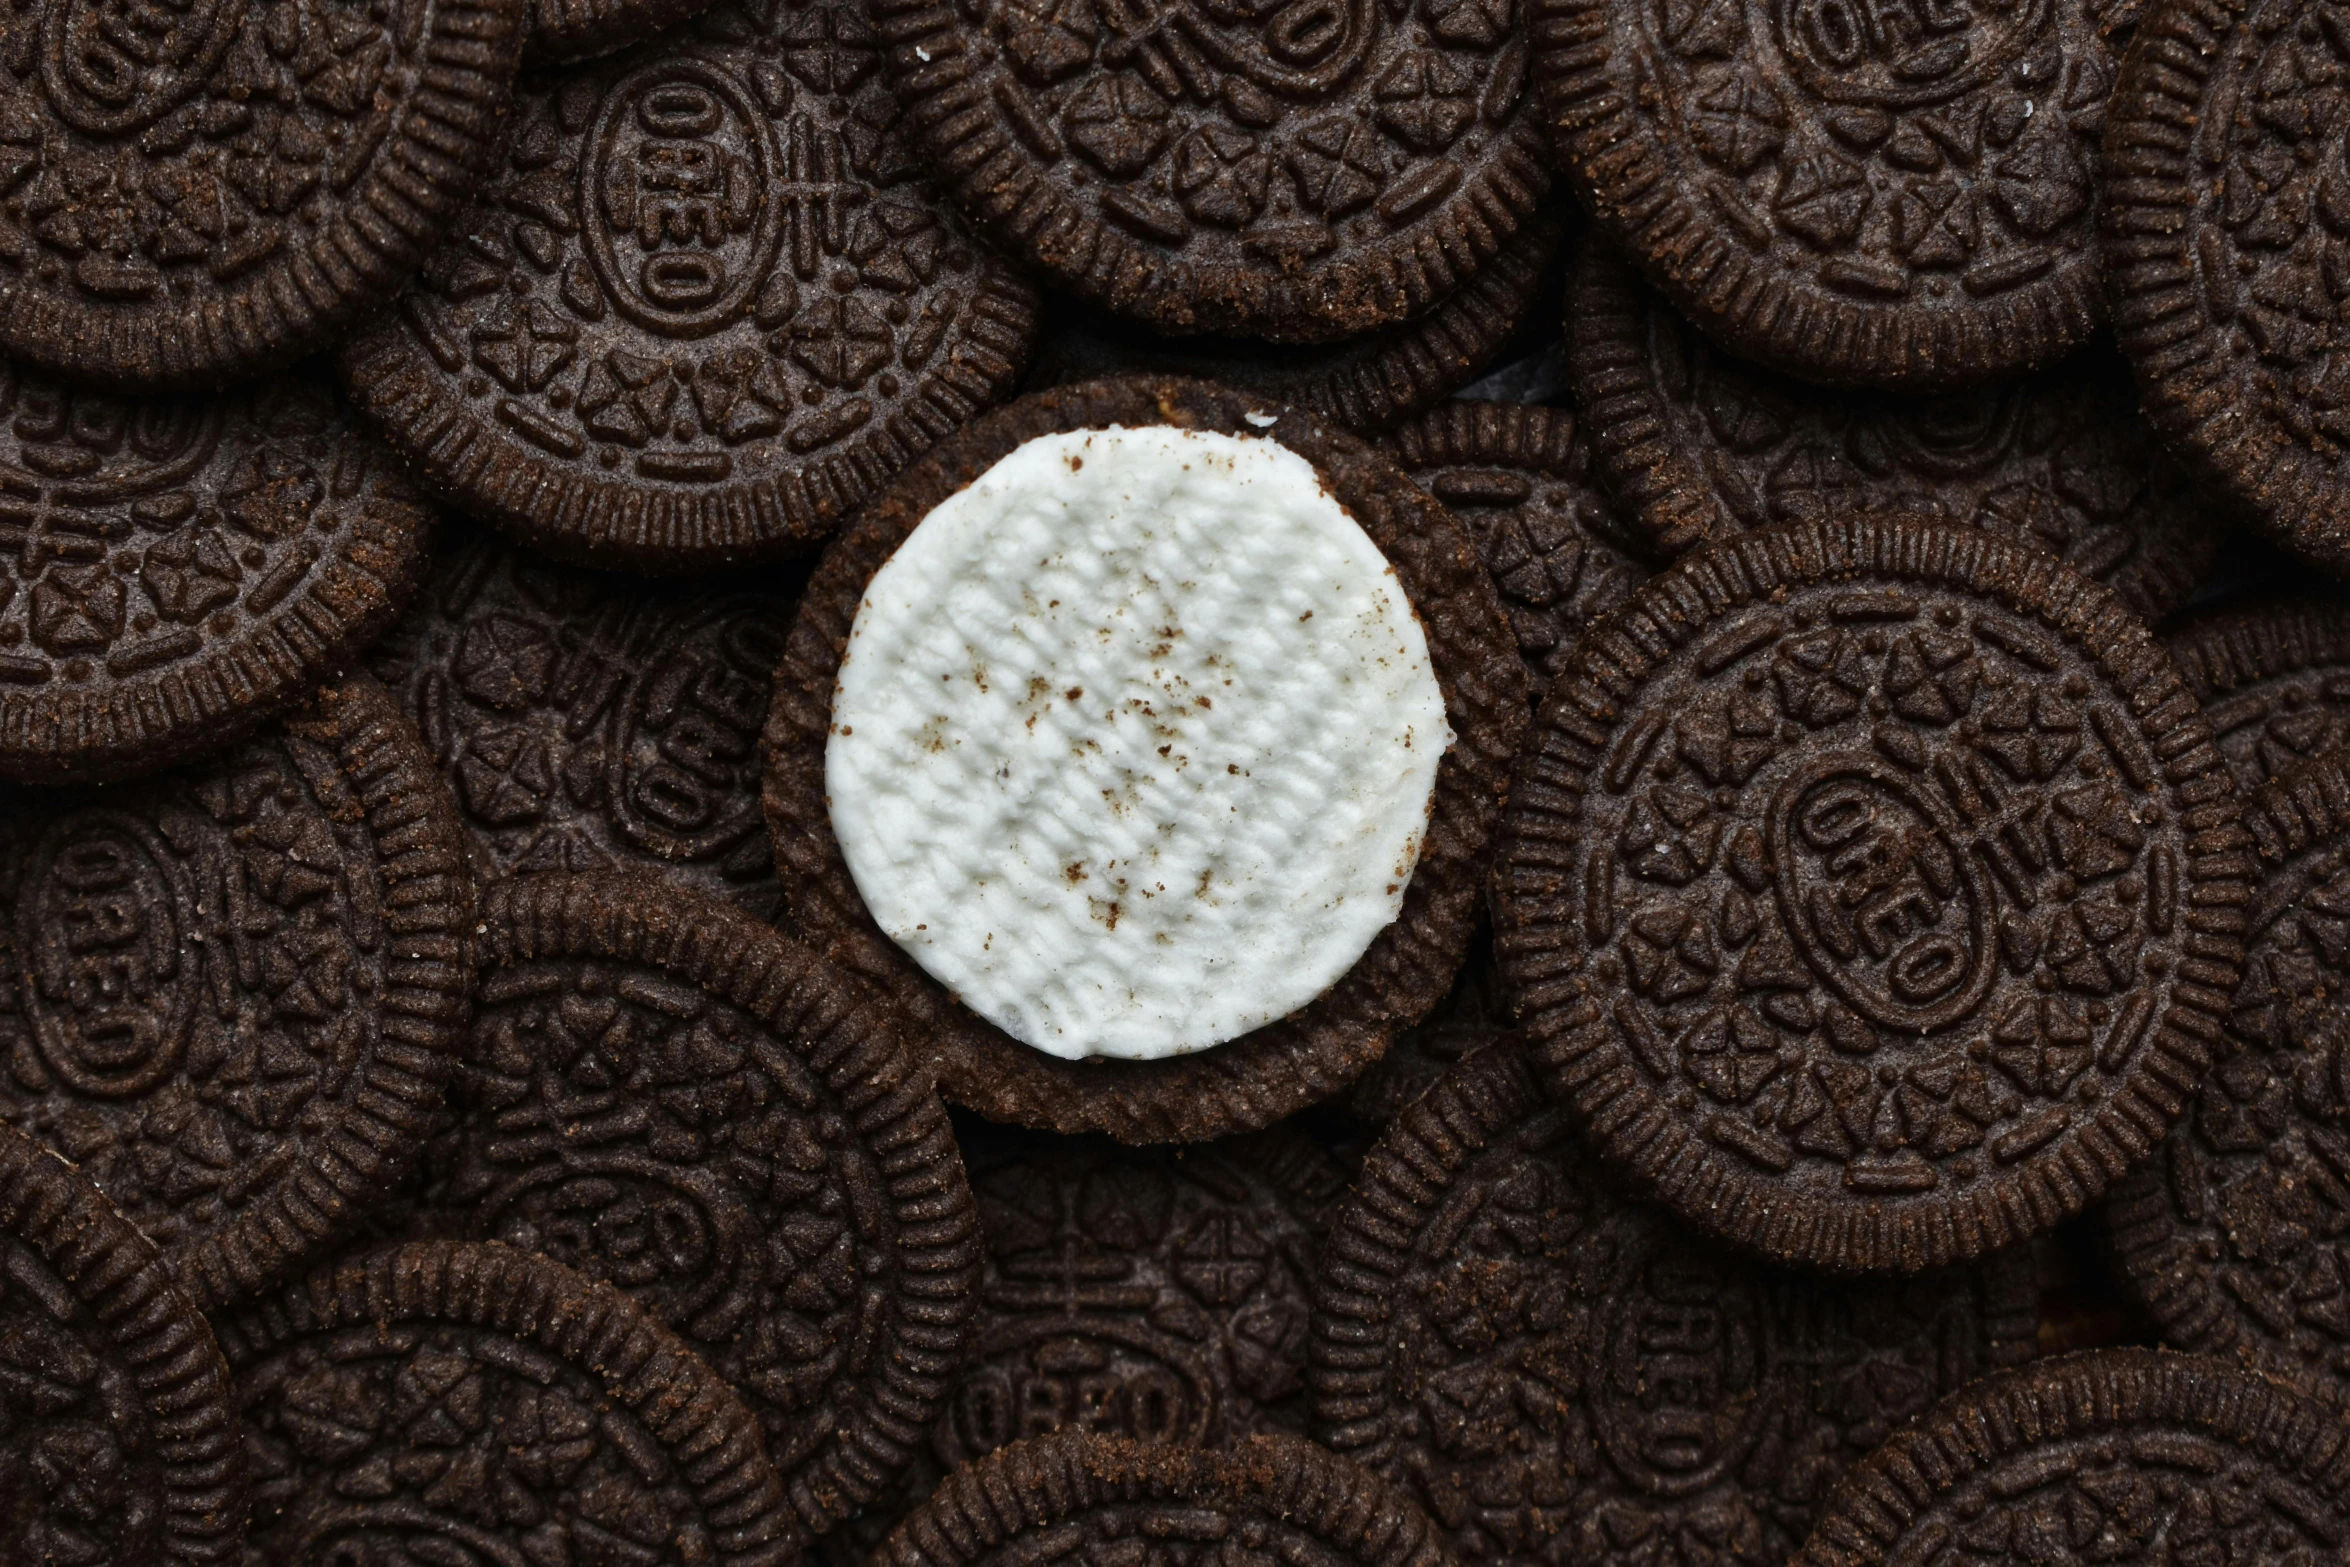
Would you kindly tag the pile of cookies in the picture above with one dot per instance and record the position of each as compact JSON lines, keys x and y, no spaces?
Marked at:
{"x":1174,"y":783}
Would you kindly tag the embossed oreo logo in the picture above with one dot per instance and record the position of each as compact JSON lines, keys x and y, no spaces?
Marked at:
{"x":1886,"y":911}
{"x":1301,"y":48}
{"x":685,"y":780}
{"x":1678,"y":1394}
{"x":1901,"y":53}
{"x":112,"y":66}
{"x":1038,"y":1376}
{"x":671,"y":1236}
{"x":99,"y":920}
{"x":679,"y":168}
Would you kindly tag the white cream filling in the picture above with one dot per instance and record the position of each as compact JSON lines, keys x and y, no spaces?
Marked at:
{"x":1135,"y":740}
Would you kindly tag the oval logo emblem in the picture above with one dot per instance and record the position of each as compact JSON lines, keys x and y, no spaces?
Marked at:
{"x":99,"y":922}
{"x":1681,"y":1372}
{"x":1055,"y":1372}
{"x":671,"y":1236}
{"x":1902,"y":53}
{"x":112,"y":66}
{"x":1882,"y":907}
{"x":1298,"y":48}
{"x":682,"y":167}
{"x":684,"y":763}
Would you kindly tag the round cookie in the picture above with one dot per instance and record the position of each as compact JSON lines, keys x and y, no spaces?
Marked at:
{"x":194,"y":194}
{"x":2224,"y":171}
{"x":2235,"y":1238}
{"x":481,"y":1403}
{"x":121,"y":1440}
{"x":1561,"y":1373}
{"x":1518,"y":479}
{"x":1093,"y":1499}
{"x":589,"y":722}
{"x":2273,"y":676}
{"x":1857,"y":197}
{"x":1300,"y":172}
{"x":1871,"y":885}
{"x":1698,"y":445}
{"x":2129,"y":1456}
{"x":701,"y":310}
{"x":234,"y":994}
{"x":174,"y":570}
{"x":1265,"y":1074}
{"x":667,"y":1096}
{"x":1363,"y":384}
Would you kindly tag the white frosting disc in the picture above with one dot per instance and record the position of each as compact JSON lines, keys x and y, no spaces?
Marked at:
{"x":1134,"y":743}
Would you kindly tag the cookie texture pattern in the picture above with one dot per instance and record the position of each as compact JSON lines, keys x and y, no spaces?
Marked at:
{"x":1169,"y":685}
{"x":667,"y":1096}
{"x":588,"y":722}
{"x":2221,"y":220}
{"x":198,"y":193}
{"x":1699,"y":444}
{"x":450,"y":1399}
{"x":1560,"y":1372}
{"x":1873,"y":888}
{"x":2274,"y":680}
{"x":123,"y":1444}
{"x":234,"y":994}
{"x":702,"y":308}
{"x":1519,"y":480}
{"x":1294,"y":172}
{"x":173,"y":570}
{"x":1262,"y":1076}
{"x":2124,"y":1455}
{"x":2235,"y":1238}
{"x":1856,"y":197}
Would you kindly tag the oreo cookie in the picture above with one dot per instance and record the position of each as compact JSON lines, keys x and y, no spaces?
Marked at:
{"x":1558,"y":1371}
{"x":121,"y":1439}
{"x":2273,"y":676}
{"x":2221,"y":211}
{"x":1297,"y":173}
{"x":1519,"y":481}
{"x":1871,"y":886}
{"x":174,"y":570}
{"x":629,"y":371}
{"x":1698,"y":444}
{"x":2126,"y":1455}
{"x":234,"y":994}
{"x":1271,"y":1070}
{"x":587,"y":722}
{"x":1365,"y":384}
{"x":199,"y":193}
{"x":670,"y":1098}
{"x":2233,"y":1238}
{"x":476,"y":1401}
{"x":1094,"y":1500}
{"x":1852,"y":198}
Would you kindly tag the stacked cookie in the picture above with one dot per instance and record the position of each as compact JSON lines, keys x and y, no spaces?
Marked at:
{"x":932,"y":784}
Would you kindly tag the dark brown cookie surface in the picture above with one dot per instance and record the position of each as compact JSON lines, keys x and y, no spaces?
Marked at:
{"x":580,"y":29}
{"x":1096,"y":1500}
{"x":233,"y":994}
{"x":1560,"y":1373}
{"x":196,"y":193}
{"x":1263,"y":1075}
{"x":1300,"y":171}
{"x":2274,"y":680}
{"x":2236,"y":1238}
{"x":461,"y":1403}
{"x":671,"y":1098}
{"x":1857,"y":196}
{"x":1364,"y":384}
{"x":1472,"y":1012}
{"x":118,"y":1436}
{"x":2129,"y":1456}
{"x":1872,"y":885}
{"x":2224,"y":249}
{"x":174,"y":570}
{"x":704,"y":306}
{"x":1700,"y":444}
{"x":589,"y":722}
{"x":1519,"y":481}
